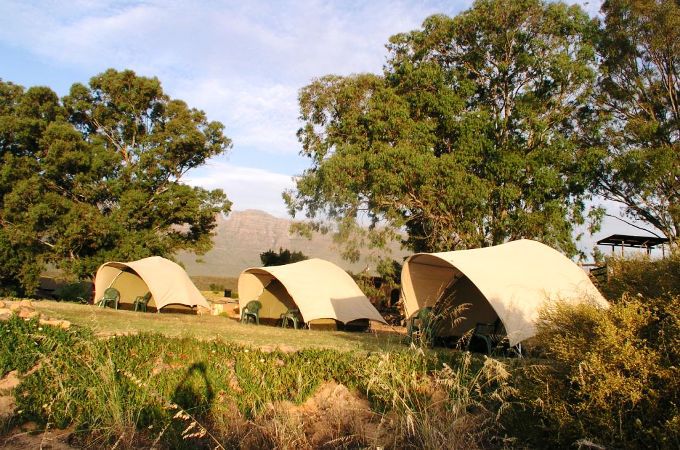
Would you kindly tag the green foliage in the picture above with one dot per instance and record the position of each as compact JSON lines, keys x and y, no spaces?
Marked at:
{"x":472,"y":136}
{"x":216,"y":287}
{"x":640,"y":92}
{"x":272,"y":258}
{"x":79,"y":291}
{"x":97,"y":176}
{"x":24,"y":342}
{"x":611,"y":376}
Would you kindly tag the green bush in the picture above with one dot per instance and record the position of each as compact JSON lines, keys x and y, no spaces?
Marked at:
{"x":79,"y":291}
{"x":610,"y":377}
{"x":24,"y":342}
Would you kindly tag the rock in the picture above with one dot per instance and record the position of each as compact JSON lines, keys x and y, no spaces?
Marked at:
{"x":15,"y":306}
{"x":26,"y":303}
{"x":65,"y":324}
{"x":202,"y":311}
{"x":28,"y":313}
{"x":2,"y":304}
{"x":5,"y":313}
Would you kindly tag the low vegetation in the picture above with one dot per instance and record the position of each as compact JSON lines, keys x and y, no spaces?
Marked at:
{"x":147,"y":389}
{"x":599,"y":379}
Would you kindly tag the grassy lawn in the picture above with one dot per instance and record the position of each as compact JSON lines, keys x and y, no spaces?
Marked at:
{"x":108,"y":322}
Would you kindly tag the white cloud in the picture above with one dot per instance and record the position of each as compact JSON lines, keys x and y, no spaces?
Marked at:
{"x":246,"y":187}
{"x":256,"y":116}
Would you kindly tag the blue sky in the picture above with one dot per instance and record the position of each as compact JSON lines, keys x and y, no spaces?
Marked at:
{"x":242,"y":62}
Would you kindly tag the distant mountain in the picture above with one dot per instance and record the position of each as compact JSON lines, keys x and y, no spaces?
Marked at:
{"x":243,"y":235}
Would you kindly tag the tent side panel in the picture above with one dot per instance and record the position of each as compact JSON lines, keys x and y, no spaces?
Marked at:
{"x":478,"y":311}
{"x":130,"y":285}
{"x":250,"y":286}
{"x":105,"y":275}
{"x":275,"y":301}
{"x":424,"y":279}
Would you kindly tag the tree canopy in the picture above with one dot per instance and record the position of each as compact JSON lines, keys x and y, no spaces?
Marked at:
{"x":640,"y":93}
{"x":97,"y":176}
{"x":472,"y":136}
{"x":272,"y":258}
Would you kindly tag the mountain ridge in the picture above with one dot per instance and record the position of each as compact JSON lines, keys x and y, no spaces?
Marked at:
{"x":241,"y":237}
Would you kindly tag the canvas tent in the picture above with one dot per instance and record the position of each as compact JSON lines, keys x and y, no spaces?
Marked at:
{"x":509,"y":282}
{"x":168,"y":283}
{"x":317,"y":288}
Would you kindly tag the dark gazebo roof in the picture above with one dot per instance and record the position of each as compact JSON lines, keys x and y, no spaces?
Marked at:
{"x":626,"y":240}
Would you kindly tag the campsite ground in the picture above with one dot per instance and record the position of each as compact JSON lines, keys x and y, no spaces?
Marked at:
{"x":110,"y":322}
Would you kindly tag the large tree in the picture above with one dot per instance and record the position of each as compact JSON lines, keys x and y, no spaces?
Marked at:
{"x":640,"y":90}
{"x":97,"y":176}
{"x":471,"y":137}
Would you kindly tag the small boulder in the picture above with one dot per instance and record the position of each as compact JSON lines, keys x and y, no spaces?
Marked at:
{"x":15,"y":307}
{"x":2,"y":304}
{"x":65,"y":324}
{"x":5,"y":313}
{"x":26,"y":303}
{"x":202,"y":311}
{"x":28,"y":313}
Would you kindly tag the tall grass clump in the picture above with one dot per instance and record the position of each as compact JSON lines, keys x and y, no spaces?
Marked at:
{"x":609,"y":377}
{"x":457,"y":406}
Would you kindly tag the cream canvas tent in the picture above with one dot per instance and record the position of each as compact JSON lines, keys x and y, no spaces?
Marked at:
{"x":509,"y":282}
{"x":168,"y":283}
{"x":317,"y":288}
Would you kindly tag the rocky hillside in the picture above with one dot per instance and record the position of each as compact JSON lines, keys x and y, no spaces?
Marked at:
{"x":243,"y":235}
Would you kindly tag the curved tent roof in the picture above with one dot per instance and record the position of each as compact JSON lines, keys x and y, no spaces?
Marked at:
{"x":509,"y":281}
{"x":167,"y":281}
{"x":320,"y":289}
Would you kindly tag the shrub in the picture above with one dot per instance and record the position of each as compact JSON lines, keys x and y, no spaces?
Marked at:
{"x":658,"y":278}
{"x":611,"y":377}
{"x":79,"y":291}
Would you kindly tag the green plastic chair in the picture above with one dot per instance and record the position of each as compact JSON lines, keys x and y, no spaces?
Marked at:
{"x":420,"y":323}
{"x":251,"y":312}
{"x":141,"y":302}
{"x":491,"y":334}
{"x":111,"y":295}
{"x":293,"y":315}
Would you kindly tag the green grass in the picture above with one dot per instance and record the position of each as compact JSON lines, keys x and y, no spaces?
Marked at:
{"x":107,"y":322}
{"x":138,"y":390}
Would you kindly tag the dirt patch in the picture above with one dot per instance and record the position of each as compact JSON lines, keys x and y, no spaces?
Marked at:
{"x":9,"y":381}
{"x":7,"y":403}
{"x":47,"y":439}
{"x":283,"y":348}
{"x":334,"y":414}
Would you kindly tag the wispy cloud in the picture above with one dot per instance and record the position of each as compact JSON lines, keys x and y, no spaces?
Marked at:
{"x":246,"y":187}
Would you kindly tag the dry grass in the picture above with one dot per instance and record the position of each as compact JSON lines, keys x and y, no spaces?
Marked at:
{"x":108,"y":322}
